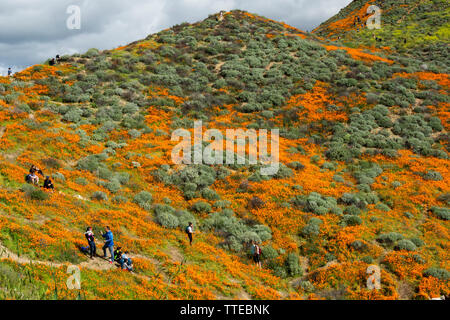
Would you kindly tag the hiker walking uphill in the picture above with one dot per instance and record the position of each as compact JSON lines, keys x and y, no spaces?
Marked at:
{"x":256,"y":252}
{"x":190,"y":230}
{"x":109,"y":243}
{"x":91,"y":241}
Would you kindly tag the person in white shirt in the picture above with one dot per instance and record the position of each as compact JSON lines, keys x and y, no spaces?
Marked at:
{"x":190,"y":231}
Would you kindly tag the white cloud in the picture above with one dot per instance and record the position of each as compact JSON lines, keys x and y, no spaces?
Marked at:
{"x":33,"y":31}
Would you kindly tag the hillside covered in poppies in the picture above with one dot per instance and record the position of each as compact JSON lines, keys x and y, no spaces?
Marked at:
{"x":363,"y":179}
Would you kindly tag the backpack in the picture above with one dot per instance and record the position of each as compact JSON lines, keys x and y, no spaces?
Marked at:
{"x":258,"y":250}
{"x":187,"y":230}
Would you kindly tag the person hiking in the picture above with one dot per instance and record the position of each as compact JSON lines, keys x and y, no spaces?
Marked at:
{"x":57,"y":58}
{"x":109,"y":243}
{"x":117,"y":254}
{"x":9,"y":72}
{"x":125,"y":262}
{"x":256,"y":252}
{"x":48,"y":184}
{"x":51,"y":62}
{"x":91,"y":241}
{"x":190,"y":230}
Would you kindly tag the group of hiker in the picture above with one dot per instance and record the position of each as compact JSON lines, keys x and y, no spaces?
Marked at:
{"x":55,"y":60}
{"x":33,"y":177}
{"x":116,"y":255}
{"x":122,"y":257}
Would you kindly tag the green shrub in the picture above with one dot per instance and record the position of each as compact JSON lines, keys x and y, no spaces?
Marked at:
{"x":296,"y":165}
{"x":119,"y":199}
{"x":221,"y":204}
{"x":52,"y":163}
{"x":351,"y":220}
{"x":269,"y":253}
{"x":408,"y":214}
{"x":167,"y":220}
{"x":307,"y":286}
{"x":315,"y":203}
{"x":38,"y":194}
{"x":293,"y":265}
{"x":210,"y":194}
{"x":367,"y":259}
{"x":201,"y":207}
{"x":184,"y":217}
{"x":405,"y":244}
{"x":143,"y":199}
{"x":433,"y":176}
{"x":263,"y":232}
{"x":99,"y":195}
{"x":312,"y":228}
{"x":396,"y":184}
{"x":113,"y":186}
{"x":438,"y":273}
{"x":382,"y":207}
{"x":441,"y":213}
{"x":389,"y":238}
{"x":418,"y":242}
{"x":328,"y":166}
{"x":89,"y":163}
{"x":352,"y":210}
{"x":81,"y":181}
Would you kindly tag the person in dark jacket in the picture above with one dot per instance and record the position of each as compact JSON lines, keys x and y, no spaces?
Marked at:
{"x":35,"y":170}
{"x":91,"y":241}
{"x":109,"y":243}
{"x":48,"y":184}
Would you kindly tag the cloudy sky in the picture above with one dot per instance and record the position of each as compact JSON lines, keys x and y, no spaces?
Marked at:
{"x":33,"y":30}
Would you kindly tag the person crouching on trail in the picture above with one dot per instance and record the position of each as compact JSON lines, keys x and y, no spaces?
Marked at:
{"x":109,"y":243}
{"x":190,"y":230}
{"x":125,"y":262}
{"x":256,"y":252}
{"x":91,"y":241}
{"x":48,"y":184}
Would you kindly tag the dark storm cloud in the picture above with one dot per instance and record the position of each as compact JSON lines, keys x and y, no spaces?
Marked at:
{"x":33,"y":30}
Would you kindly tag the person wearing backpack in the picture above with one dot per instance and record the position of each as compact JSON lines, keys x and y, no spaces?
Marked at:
{"x":190,"y":230}
{"x":91,"y":241}
{"x":117,"y":253}
{"x":125,"y":262}
{"x":256,"y":251}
